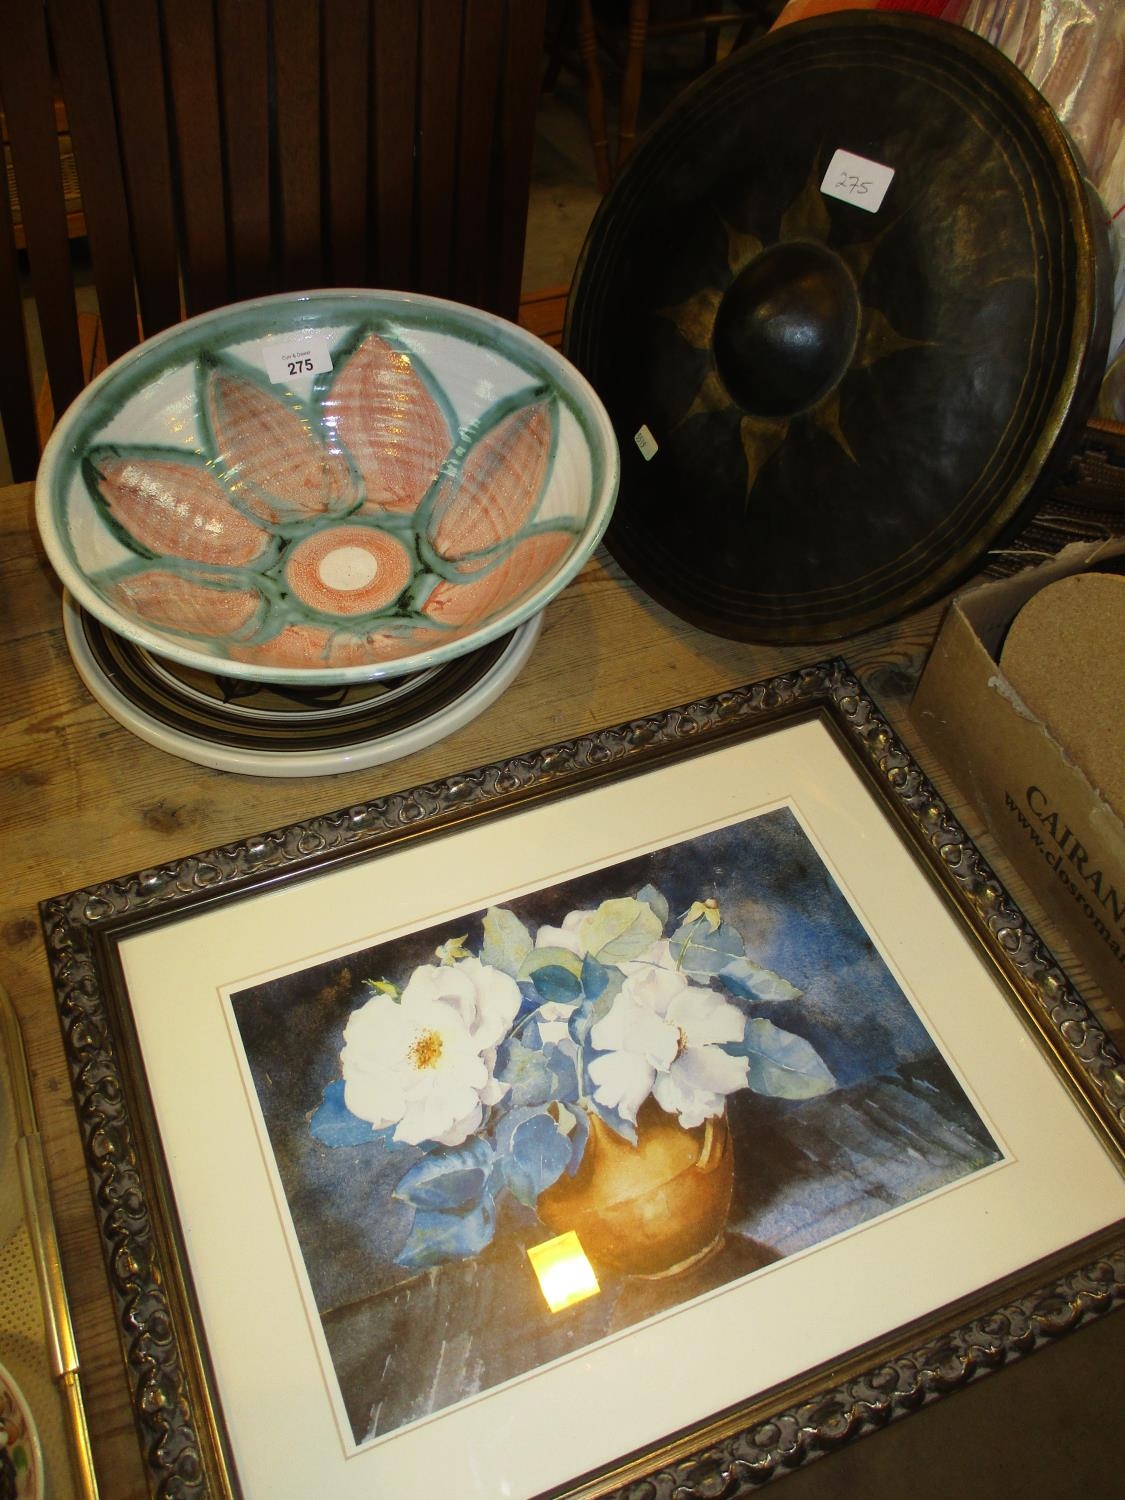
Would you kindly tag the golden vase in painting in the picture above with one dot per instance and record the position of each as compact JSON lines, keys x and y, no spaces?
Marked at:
{"x":652,"y":1209}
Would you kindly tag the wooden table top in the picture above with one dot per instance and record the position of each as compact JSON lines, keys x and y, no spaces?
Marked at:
{"x":82,"y":801}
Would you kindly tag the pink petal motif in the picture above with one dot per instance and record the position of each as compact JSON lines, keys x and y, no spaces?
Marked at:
{"x":382,"y":411}
{"x":348,"y":570}
{"x":479,"y":598}
{"x":314,"y":646}
{"x":276,"y":465}
{"x":498,"y":485}
{"x":170,"y":601}
{"x":174,"y":509}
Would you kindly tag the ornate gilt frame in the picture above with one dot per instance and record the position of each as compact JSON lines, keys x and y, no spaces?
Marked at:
{"x":186,"y":1445}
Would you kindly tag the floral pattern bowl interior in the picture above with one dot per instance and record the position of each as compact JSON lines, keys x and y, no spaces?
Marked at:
{"x":328,"y":487}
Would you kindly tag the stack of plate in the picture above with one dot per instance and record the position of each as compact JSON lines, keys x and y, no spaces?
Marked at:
{"x":282,"y":729}
{"x":312,"y":533}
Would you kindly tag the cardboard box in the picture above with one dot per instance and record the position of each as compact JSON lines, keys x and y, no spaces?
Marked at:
{"x":1054,"y":825}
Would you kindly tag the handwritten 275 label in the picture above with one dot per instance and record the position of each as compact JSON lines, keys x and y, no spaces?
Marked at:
{"x":854,"y":179}
{"x":303,"y":353}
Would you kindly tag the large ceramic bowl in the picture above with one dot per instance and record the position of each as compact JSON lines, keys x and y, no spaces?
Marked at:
{"x":328,"y":487}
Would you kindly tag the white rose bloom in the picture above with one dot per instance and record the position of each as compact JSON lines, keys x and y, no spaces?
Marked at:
{"x":424,"y":1064}
{"x":565,"y":936}
{"x":662,"y":1037}
{"x":487,"y":999}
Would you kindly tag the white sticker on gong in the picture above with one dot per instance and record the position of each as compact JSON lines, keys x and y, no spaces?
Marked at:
{"x":854,"y":179}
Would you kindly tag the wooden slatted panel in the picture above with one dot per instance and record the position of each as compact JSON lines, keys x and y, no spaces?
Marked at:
{"x":346,"y":41}
{"x":80,"y":55}
{"x":438,"y":94}
{"x":137,"y":66}
{"x":17,"y":409}
{"x":92,"y":340}
{"x":189,"y":49}
{"x":394,"y":71}
{"x":26,"y":87}
{"x":477,"y":159}
{"x":296,"y":51}
{"x":522,"y":67}
{"x":243,"y":30}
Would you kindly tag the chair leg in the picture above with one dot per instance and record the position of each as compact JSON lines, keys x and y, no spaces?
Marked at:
{"x":595,"y":96}
{"x":632,"y":78}
{"x":710,"y":36}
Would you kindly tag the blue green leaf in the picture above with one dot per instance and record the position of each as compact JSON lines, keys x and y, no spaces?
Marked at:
{"x":333,"y":1123}
{"x":751,"y":981}
{"x":595,"y":977}
{"x":437,"y":1237}
{"x":549,"y":957}
{"x":535,"y":1072}
{"x":556,"y":983}
{"x":581,"y":1019}
{"x":578,"y":1135}
{"x":533,"y":1152}
{"x":619,"y":930}
{"x":507,"y":941}
{"x":448,"y":1179}
{"x":782,"y":1064}
{"x":652,"y":897}
{"x":701,"y":952}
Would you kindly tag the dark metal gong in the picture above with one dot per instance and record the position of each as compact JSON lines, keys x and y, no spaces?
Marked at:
{"x":827,"y":414}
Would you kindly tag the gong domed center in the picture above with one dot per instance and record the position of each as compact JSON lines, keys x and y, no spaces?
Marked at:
{"x":786,"y":329}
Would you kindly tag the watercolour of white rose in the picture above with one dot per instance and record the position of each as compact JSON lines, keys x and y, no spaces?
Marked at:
{"x":664,"y":1036}
{"x":488,"y":1067}
{"x":361,"y":525}
{"x":423,"y":1062}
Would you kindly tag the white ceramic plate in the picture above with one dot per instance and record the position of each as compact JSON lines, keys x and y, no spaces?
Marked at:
{"x":152,"y":702}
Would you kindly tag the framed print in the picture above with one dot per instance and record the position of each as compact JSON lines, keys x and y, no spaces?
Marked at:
{"x":631,"y":1117}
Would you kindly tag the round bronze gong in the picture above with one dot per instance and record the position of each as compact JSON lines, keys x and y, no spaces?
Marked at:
{"x":829,"y":412}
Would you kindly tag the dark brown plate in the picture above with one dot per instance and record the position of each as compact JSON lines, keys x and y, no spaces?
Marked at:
{"x":267,"y":729}
{"x":842,"y":410}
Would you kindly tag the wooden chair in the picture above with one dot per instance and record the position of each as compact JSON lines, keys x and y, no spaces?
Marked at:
{"x":640,"y":23}
{"x":255,"y":146}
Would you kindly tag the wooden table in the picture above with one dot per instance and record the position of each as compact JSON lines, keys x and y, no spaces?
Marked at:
{"x":84,"y":801}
